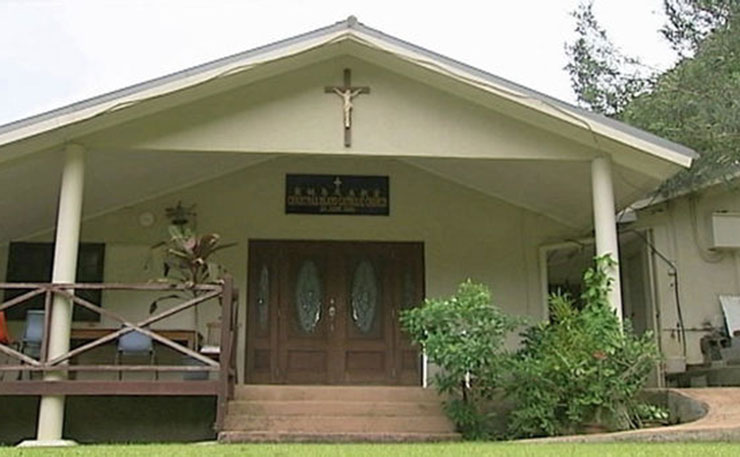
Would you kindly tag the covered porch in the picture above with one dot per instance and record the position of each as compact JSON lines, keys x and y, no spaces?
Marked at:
{"x":458,"y":229}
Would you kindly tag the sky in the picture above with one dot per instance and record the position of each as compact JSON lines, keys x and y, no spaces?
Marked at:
{"x":57,"y":52}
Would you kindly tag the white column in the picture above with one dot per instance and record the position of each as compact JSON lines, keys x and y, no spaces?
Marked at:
{"x":51,"y":409}
{"x":605,"y":223}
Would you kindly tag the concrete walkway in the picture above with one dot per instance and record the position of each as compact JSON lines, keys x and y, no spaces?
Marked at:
{"x":720,"y":423}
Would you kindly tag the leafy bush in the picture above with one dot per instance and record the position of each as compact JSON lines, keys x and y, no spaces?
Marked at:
{"x":464,"y":336}
{"x":581,"y":368}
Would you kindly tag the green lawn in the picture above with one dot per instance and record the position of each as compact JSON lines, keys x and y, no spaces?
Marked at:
{"x":383,"y":450}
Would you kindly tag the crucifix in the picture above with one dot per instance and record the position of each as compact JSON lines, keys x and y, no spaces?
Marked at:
{"x":347,"y":92}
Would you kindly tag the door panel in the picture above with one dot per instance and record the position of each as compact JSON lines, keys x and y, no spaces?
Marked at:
{"x":327,"y":312}
{"x":306,"y":336}
{"x":262,"y":300}
{"x":367,"y":300}
{"x":408,"y":277}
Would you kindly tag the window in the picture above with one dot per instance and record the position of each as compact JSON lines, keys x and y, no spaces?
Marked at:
{"x":32,"y":262}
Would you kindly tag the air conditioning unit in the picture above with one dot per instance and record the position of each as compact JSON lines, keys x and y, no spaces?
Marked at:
{"x":726,"y":230}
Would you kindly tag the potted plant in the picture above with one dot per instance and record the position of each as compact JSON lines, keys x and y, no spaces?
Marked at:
{"x":187,"y":259}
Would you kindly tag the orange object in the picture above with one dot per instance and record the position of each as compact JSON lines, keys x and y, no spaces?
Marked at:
{"x":4,"y":334}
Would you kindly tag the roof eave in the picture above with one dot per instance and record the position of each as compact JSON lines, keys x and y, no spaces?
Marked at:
{"x":352,"y":30}
{"x":121,"y":98}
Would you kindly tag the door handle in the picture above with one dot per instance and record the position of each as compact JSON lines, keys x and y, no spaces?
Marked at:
{"x":332,"y":311}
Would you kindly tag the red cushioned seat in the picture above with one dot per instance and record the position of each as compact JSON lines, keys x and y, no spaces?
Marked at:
{"x":4,"y":334}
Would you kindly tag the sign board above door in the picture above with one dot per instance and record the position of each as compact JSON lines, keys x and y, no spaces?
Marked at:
{"x":337,"y":194}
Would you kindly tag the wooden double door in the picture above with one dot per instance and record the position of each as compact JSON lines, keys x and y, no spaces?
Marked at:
{"x":326,"y":312}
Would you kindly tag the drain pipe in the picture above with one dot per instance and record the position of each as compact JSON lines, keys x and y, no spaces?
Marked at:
{"x":673,"y":272}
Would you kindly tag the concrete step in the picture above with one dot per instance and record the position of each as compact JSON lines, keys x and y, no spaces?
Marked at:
{"x":337,"y":393}
{"x":333,"y":437}
{"x":334,"y":408}
{"x":269,"y":413}
{"x":340,"y":424}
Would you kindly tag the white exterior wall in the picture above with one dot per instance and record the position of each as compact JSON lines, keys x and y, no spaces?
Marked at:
{"x":466,"y":233}
{"x":703,"y":275}
{"x":292,"y":114}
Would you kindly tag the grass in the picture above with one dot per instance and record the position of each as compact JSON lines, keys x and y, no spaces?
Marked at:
{"x":383,"y":450}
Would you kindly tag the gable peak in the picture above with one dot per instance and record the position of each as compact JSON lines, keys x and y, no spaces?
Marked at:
{"x":351,"y":21}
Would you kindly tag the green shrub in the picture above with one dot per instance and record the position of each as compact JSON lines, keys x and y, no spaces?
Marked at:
{"x":581,"y":368}
{"x":464,"y":336}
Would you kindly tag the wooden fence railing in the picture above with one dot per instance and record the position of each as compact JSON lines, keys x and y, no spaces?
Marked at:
{"x":19,"y":362}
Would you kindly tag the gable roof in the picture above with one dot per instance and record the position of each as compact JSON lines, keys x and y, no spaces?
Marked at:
{"x":349,"y":29}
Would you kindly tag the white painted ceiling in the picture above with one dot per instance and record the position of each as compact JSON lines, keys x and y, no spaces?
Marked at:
{"x":29,"y":187}
{"x":560,"y":190}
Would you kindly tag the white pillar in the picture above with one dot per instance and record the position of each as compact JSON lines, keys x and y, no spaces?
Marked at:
{"x":51,"y":409}
{"x":605,"y":223}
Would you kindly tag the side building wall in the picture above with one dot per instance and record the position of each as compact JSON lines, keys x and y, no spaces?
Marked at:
{"x":681,"y":231}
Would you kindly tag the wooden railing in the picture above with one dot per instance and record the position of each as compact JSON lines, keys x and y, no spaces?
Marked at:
{"x":225,"y":367}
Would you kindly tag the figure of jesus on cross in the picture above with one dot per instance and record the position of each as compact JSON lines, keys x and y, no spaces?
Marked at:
{"x":347,"y":92}
{"x":347,"y":96}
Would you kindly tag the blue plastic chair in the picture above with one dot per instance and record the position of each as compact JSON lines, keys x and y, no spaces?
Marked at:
{"x":33,"y":333}
{"x":135,"y":343}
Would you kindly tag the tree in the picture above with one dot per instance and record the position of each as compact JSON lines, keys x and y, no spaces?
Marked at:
{"x":691,"y":21}
{"x":602,"y":77}
{"x":696,"y":103}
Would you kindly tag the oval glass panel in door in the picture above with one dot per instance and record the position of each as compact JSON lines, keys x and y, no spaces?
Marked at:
{"x":308,"y":296}
{"x":364,"y":298}
{"x":263,"y":298}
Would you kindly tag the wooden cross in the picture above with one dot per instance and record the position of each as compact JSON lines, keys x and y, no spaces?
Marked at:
{"x":347,"y":92}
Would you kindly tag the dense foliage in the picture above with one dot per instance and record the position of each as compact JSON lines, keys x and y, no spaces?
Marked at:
{"x":464,"y":336}
{"x":581,"y":368}
{"x":694,"y":104}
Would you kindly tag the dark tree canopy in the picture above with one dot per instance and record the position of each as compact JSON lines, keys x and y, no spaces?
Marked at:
{"x":696,"y":103}
{"x":602,"y":77}
{"x":691,"y":21}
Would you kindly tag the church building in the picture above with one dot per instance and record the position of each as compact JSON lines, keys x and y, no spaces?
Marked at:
{"x":356,"y":174}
